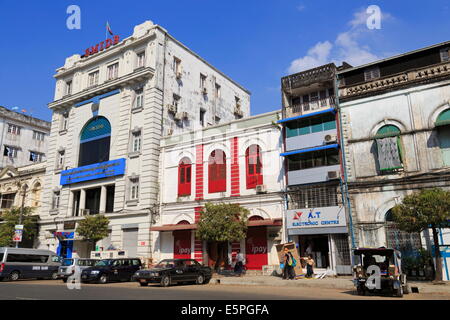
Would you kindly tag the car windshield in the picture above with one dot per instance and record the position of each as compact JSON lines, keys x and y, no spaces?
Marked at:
{"x":67,"y":262}
{"x":166,"y":264}
{"x":103,"y":263}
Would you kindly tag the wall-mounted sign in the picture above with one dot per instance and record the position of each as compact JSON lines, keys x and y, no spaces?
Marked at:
{"x":101,"y":46}
{"x":93,"y":171}
{"x":316,"y":218}
{"x":18,"y":231}
{"x":69,"y":225}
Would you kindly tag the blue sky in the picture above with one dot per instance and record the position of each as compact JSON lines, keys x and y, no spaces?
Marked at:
{"x":253,"y":42}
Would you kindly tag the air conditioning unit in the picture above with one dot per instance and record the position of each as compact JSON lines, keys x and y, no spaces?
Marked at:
{"x":109,"y":254}
{"x":169,"y":131}
{"x":180,"y":115}
{"x":329,"y":138}
{"x":171,"y":108}
{"x":204,"y":90}
{"x":333,"y":175}
{"x":85,"y":212}
{"x":261,"y":188}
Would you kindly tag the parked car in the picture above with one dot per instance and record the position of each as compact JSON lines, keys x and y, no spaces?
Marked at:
{"x":388,"y":262}
{"x":70,"y":266}
{"x":111,"y":270}
{"x":172,"y":271}
{"x":21,"y":263}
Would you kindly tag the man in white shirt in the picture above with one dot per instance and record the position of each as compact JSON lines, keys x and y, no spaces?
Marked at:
{"x":240,"y":260}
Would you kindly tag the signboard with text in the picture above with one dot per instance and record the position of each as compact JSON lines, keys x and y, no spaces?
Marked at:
{"x":325,"y":217}
{"x":18,"y":232}
{"x":93,"y":171}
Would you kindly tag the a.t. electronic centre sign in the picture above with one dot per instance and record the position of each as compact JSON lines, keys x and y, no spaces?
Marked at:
{"x":316,"y":218}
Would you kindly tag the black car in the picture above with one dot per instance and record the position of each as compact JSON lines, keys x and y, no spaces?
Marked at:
{"x":172,"y":271}
{"x":111,"y":270}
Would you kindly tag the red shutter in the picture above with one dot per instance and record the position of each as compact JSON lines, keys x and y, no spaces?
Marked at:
{"x":184,"y":177}
{"x":253,"y":161}
{"x":217,"y":172}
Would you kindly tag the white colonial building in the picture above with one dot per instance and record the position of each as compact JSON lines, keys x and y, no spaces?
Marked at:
{"x":395,"y":125}
{"x":237,"y":162}
{"x":112,"y":106}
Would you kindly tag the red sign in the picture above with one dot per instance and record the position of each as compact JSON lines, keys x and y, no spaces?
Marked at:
{"x":182,"y":244}
{"x":101,"y":46}
{"x":256,"y":248}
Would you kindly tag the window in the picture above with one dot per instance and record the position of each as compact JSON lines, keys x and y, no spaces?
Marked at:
{"x":445,"y":54}
{"x":93,"y":79}
{"x":202,"y":117}
{"x":202,"y":81}
{"x":7,"y":200}
{"x":36,"y":156}
{"x":10,"y":152}
{"x":314,"y":196}
{"x":140,"y":59}
{"x":311,"y":125}
{"x":95,"y":142}
{"x":13,"y":129}
{"x":177,"y":66}
{"x":69,"y":87}
{"x":55,"y":200}
{"x":307,"y":160}
{"x":39,"y":136}
{"x":217,"y":119}
{"x":217,"y":172}
{"x":217,"y":91}
{"x":372,"y":73}
{"x":26,"y":258}
{"x":176,"y":100}
{"x":253,"y":161}
{"x":388,"y":145}
{"x":184,"y":177}
{"x":113,"y":71}
{"x":60,"y":159}
{"x":36,"y":194}
{"x":139,"y":99}
{"x":64,"y":121}
{"x":136,"y":141}
{"x":134,"y":188}
{"x":443,"y":131}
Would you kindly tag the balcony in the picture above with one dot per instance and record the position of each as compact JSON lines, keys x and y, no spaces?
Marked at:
{"x":303,"y":79}
{"x":313,"y":175}
{"x":311,"y":140}
{"x":377,"y":86}
{"x":309,"y":107}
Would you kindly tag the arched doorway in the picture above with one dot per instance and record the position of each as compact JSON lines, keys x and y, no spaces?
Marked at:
{"x":256,"y":246}
{"x":182,"y":243}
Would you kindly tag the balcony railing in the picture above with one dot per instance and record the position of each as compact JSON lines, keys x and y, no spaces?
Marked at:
{"x":305,"y":78}
{"x":312,"y":106}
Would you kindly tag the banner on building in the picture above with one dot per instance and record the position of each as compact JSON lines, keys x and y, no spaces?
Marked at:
{"x":18,"y":232}
{"x":326,"y":217}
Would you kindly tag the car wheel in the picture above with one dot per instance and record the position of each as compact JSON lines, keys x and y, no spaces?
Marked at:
{"x":14,"y":276}
{"x":103,"y":279}
{"x":64,"y":280}
{"x":143,"y":284}
{"x":200,"y":279}
{"x":165,"y":281}
{"x":54,"y":276}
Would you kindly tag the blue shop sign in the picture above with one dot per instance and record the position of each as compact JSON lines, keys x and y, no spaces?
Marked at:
{"x":93,"y":171}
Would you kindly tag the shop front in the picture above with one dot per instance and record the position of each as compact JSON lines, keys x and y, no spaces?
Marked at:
{"x":321,"y":233}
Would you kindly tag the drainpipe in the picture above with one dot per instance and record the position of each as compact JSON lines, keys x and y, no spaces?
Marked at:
{"x":344,"y":185}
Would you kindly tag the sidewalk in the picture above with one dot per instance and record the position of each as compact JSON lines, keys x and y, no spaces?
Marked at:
{"x":342,"y":282}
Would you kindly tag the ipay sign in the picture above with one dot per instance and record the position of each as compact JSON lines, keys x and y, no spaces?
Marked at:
{"x":101,"y":46}
{"x":309,"y":218}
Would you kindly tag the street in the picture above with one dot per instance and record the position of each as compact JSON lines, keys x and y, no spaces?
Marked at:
{"x":57,"y":290}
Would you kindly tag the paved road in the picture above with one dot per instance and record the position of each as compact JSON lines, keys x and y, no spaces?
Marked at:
{"x":57,"y":290}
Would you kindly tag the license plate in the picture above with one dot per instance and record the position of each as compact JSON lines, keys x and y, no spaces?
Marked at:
{"x":142,"y":280}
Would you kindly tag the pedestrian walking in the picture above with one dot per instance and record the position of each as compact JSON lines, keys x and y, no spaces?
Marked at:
{"x":310,"y":263}
{"x":240,"y":261}
{"x":289,"y":263}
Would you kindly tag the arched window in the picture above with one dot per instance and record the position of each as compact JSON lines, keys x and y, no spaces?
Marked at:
{"x":217,"y":172}
{"x":95,"y":141}
{"x":389,"y":148}
{"x":36,"y":194}
{"x":253,"y":164}
{"x":443,"y":130}
{"x":184,"y":177}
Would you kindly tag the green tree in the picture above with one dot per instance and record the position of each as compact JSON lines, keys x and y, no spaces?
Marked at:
{"x":422,"y":210}
{"x":93,"y":228}
{"x":11,"y":218}
{"x":221,"y":223}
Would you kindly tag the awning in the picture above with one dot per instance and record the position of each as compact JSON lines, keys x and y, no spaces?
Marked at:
{"x":254,"y":223}
{"x":308,"y":115}
{"x":329,"y":146}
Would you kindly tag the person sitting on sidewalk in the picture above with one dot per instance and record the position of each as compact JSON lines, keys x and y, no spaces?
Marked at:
{"x":310,"y":263}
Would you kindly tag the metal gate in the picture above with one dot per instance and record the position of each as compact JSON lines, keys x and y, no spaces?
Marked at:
{"x":407,"y":243}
